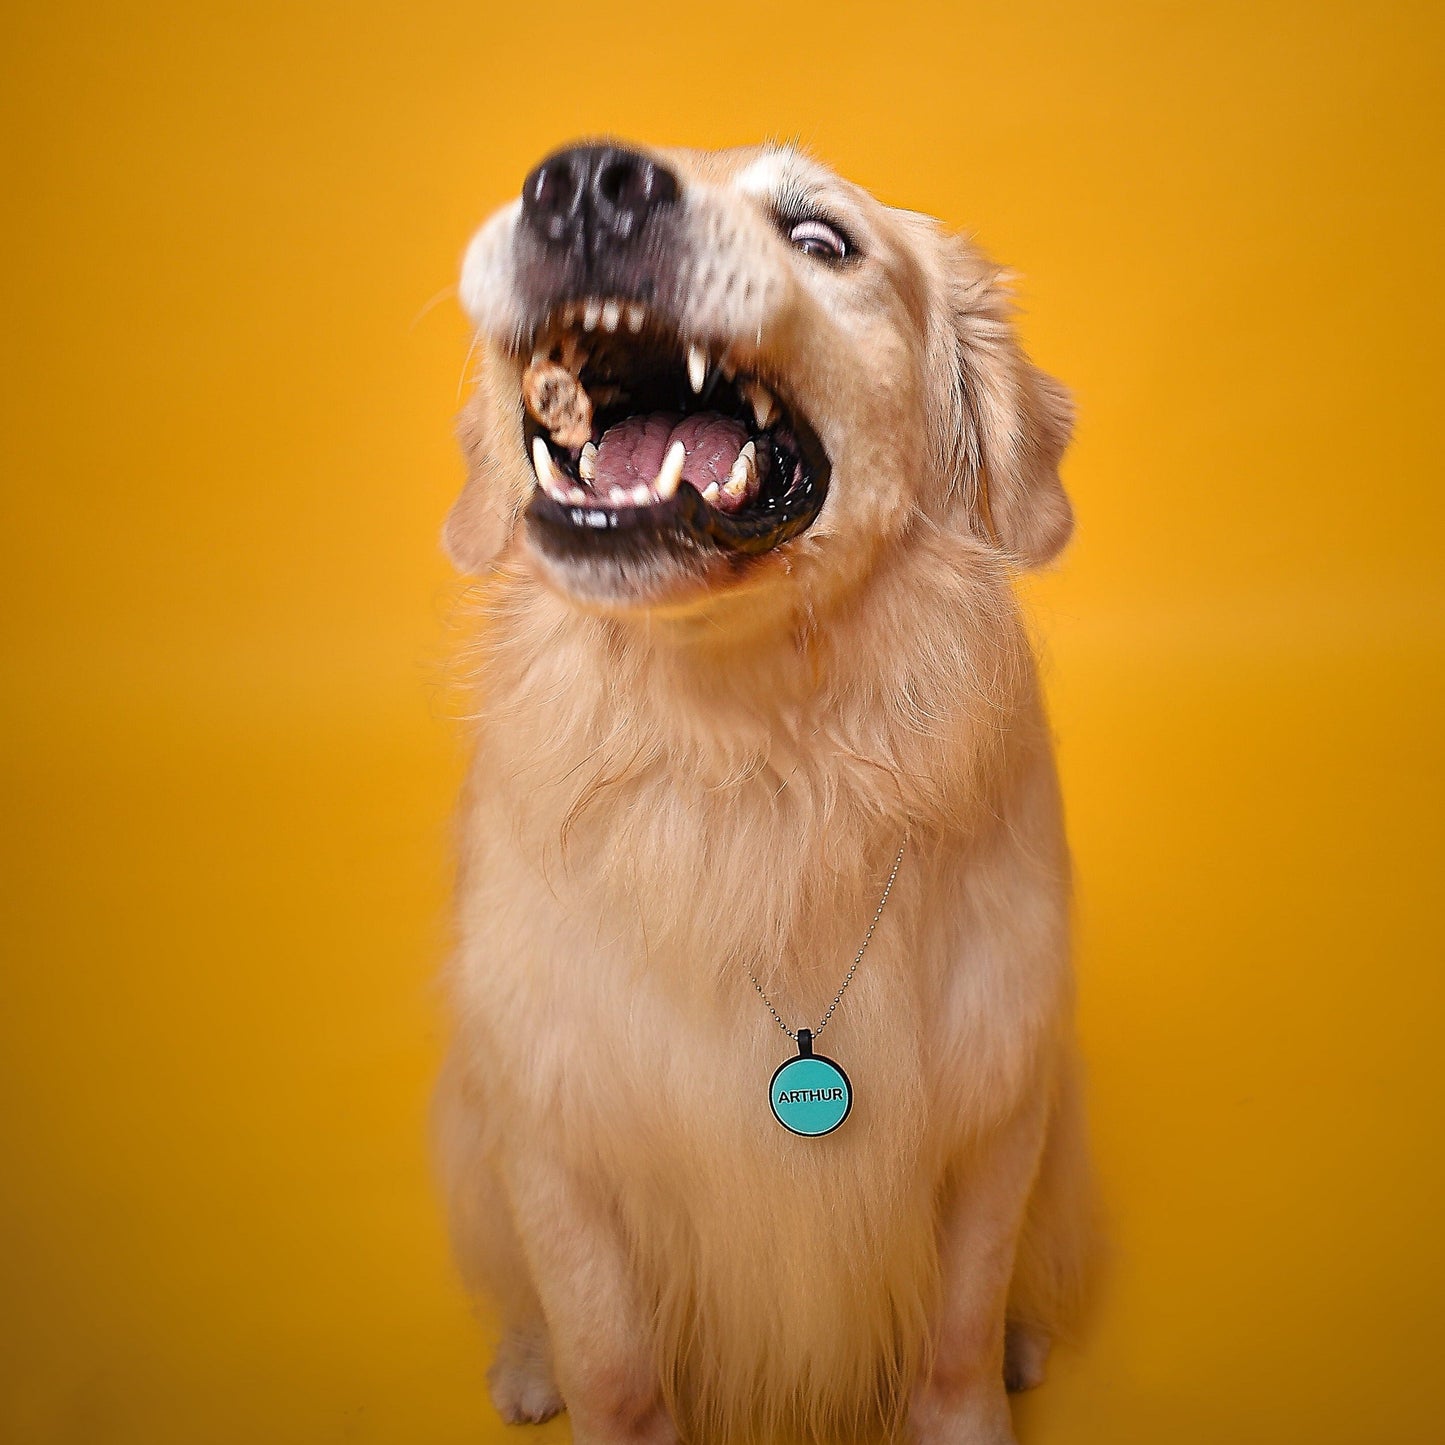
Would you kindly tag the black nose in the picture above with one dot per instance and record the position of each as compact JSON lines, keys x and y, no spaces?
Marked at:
{"x":595,"y":196}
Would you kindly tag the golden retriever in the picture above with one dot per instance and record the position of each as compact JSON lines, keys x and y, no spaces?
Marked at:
{"x":752,"y":461}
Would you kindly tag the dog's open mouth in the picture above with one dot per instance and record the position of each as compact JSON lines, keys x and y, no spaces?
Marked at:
{"x":639,"y":438}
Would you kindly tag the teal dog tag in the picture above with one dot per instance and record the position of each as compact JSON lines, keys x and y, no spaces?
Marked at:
{"x":810,"y":1095}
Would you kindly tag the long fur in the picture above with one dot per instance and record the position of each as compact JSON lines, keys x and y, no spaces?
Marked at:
{"x":659,"y":807}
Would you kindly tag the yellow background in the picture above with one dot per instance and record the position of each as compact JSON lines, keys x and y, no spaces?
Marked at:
{"x":228,"y":753}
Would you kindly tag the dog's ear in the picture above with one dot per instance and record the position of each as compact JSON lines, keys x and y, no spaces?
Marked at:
{"x":1009,"y":422}
{"x":481,"y":519}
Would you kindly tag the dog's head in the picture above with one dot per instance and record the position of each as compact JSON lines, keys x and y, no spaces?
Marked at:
{"x":711,"y":373}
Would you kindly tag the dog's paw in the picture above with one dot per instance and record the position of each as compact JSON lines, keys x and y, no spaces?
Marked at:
{"x":520,"y":1381}
{"x":1025,"y":1358}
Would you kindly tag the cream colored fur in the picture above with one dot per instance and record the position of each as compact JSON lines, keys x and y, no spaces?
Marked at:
{"x":662,"y":801}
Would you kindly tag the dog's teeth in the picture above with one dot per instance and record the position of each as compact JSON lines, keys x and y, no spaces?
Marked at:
{"x":541,"y":461}
{"x":546,"y":474}
{"x":641,"y":494}
{"x":744,"y":472}
{"x":696,"y":367}
{"x":611,"y":315}
{"x":709,"y":493}
{"x":591,"y":315}
{"x":569,"y":314}
{"x":764,"y":407}
{"x":617,"y":496}
{"x":636,"y":316}
{"x":670,"y":473}
{"x":587,"y":462}
{"x":576,"y":496}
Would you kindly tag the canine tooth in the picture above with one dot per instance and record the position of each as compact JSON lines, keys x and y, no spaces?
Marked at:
{"x":709,"y":492}
{"x":696,"y":367}
{"x":744,"y":472}
{"x":764,"y":407}
{"x":591,"y":314}
{"x":611,"y":315}
{"x":669,"y":474}
{"x":542,"y":463}
{"x":641,"y":494}
{"x":636,"y":316}
{"x":587,"y":462}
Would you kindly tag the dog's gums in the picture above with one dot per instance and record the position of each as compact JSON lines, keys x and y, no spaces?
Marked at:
{"x":630,"y":429}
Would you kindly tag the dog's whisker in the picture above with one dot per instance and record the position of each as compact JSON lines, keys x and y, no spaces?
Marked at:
{"x":464,"y":378}
{"x":429,"y":306}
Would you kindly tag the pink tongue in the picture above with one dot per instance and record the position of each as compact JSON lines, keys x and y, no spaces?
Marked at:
{"x":632,"y":450}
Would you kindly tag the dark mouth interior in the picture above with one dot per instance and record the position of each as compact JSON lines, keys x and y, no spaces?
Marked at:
{"x":629,"y":427}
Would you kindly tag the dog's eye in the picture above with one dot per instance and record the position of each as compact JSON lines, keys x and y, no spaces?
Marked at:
{"x":818,"y":238}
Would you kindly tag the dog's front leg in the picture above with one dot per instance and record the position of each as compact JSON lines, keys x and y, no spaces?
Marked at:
{"x":594,"y":1315}
{"x":963,"y":1401}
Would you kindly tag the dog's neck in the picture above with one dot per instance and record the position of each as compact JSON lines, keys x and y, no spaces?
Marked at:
{"x":737,"y":793}
{"x":917,"y":687}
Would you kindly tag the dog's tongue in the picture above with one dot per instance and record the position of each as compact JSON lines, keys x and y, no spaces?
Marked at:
{"x":632,"y":450}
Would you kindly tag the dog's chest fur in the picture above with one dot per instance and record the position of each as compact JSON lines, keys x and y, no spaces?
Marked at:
{"x":651,"y":1077}
{"x":623,"y":881}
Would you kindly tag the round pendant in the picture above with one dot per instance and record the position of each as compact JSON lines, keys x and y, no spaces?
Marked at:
{"x":810,"y":1095}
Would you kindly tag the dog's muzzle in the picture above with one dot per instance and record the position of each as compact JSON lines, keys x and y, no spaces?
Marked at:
{"x":659,"y":448}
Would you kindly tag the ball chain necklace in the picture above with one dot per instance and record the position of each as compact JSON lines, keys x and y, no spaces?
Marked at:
{"x":810,"y":1094}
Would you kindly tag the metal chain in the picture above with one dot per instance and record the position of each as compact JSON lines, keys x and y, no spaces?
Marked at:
{"x":867,"y":939}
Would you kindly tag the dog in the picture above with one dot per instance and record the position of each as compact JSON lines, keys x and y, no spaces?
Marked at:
{"x":752,"y":463}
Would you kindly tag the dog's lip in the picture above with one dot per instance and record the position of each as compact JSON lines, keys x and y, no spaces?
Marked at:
{"x":684,"y":516}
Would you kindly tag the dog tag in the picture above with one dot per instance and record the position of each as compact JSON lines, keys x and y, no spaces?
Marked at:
{"x":810,"y":1095}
